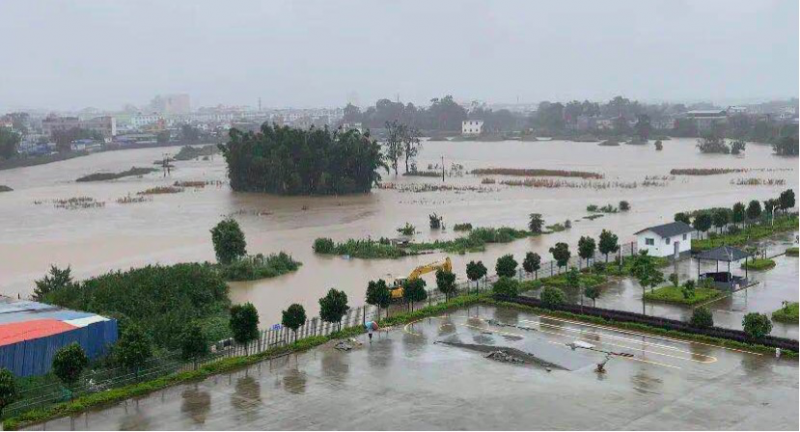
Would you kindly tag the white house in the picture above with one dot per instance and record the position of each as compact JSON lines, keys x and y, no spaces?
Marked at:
{"x":471,"y":127}
{"x":665,"y":240}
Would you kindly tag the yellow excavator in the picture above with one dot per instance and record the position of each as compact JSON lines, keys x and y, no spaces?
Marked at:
{"x":397,"y":286}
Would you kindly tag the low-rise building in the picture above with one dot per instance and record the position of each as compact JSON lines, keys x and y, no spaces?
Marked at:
{"x":471,"y":127}
{"x":666,"y":240}
{"x":707,"y":119}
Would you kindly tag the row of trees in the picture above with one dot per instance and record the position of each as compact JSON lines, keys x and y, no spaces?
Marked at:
{"x":444,"y":114}
{"x":288,"y":161}
{"x":740,"y":213}
{"x":402,"y":141}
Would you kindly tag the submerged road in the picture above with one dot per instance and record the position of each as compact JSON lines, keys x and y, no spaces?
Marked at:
{"x":403,"y":380}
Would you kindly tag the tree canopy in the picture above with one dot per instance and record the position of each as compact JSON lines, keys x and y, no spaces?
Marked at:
{"x":333,"y":306}
{"x":69,"y":363}
{"x":287,"y":161}
{"x":228,"y":240}
{"x":244,"y":323}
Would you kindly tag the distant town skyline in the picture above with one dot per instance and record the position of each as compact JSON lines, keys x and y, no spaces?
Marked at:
{"x":73,"y":55}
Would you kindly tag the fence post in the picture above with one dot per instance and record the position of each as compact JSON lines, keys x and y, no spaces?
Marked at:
{"x":551,"y":268}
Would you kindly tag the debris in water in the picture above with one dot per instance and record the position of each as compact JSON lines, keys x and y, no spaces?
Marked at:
{"x":347,"y":345}
{"x":504,"y":357}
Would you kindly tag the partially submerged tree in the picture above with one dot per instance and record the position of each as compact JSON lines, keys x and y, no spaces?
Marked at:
{"x":702,"y":222}
{"x":229,"y":242}
{"x":394,"y":143}
{"x":535,"y":223}
{"x":293,"y":318}
{"x":244,"y":324}
{"x":683,"y":217}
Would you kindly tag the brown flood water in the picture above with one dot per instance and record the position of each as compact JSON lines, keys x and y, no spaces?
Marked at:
{"x":175,"y":227}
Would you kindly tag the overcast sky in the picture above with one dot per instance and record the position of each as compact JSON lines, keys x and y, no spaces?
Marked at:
{"x":82,"y":53}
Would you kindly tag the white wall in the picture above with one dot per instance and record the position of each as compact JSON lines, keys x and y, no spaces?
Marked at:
{"x":663,"y":247}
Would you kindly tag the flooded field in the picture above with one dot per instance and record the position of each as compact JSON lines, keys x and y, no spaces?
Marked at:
{"x":175,"y":227}
{"x":408,"y":379}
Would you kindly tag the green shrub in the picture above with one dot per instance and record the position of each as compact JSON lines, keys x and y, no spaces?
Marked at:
{"x":787,"y":314}
{"x":702,"y":318}
{"x":756,"y":325}
{"x":259,"y":267}
{"x":323,"y":245}
{"x":552,"y":297}
{"x":462,"y":227}
{"x":506,"y":286}
{"x":792,"y":251}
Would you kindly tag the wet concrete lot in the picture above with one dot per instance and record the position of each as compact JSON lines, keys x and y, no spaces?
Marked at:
{"x":405,"y":380}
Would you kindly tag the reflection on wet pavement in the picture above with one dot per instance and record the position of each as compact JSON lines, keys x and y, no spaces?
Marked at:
{"x":405,"y":380}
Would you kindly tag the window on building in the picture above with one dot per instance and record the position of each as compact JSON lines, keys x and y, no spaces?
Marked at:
{"x":666,"y":240}
{"x":649,"y":241}
{"x":684,"y":236}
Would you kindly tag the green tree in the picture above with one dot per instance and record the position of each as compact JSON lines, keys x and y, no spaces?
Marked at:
{"x":414,"y":291}
{"x":702,"y":318}
{"x":702,"y":222}
{"x":506,"y":286}
{"x":586,"y":248}
{"x":552,"y":297}
{"x":8,"y":389}
{"x":294,"y":317}
{"x":9,"y":141}
{"x":56,"y":280}
{"x":756,"y":325}
{"x":645,"y":271}
{"x":561,"y":253}
{"x":753,"y":210}
{"x":411,"y":144}
{"x":133,"y":348}
{"x":506,"y":266}
{"x":446,"y":282}
{"x":394,"y":143}
{"x":324,"y":245}
{"x":608,"y":243}
{"x":333,"y":306}
{"x":573,"y":278}
{"x":720,"y":218}
{"x":162,"y":137}
{"x":69,"y":363}
{"x":244,"y":324}
{"x":532,"y":263}
{"x":475,"y":271}
{"x":379,"y":295}
{"x":194,"y":343}
{"x":688,"y":289}
{"x":786,"y":200}
{"x":229,"y":242}
{"x":535,"y":223}
{"x":624,"y":206}
{"x":683,"y":217}
{"x":738,"y":213}
{"x":592,"y":292}
{"x":286,"y":161}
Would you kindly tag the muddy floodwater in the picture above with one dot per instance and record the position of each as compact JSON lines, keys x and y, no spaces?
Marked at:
{"x":175,"y":227}
{"x":407,"y":379}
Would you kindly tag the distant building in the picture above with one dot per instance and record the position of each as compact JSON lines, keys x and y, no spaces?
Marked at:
{"x":737,"y":109}
{"x":175,"y":104}
{"x":471,"y":127}
{"x":106,"y":126}
{"x":707,"y":119}
{"x":55,"y":123}
{"x":665,"y":240}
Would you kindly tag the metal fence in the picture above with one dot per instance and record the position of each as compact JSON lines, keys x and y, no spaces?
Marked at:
{"x":105,"y":378}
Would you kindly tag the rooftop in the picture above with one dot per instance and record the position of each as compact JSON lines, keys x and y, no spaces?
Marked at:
{"x":669,"y":230}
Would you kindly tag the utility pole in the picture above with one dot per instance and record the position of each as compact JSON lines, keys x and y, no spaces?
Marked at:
{"x":442,"y":168}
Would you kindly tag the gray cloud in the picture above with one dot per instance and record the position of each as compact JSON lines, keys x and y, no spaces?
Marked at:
{"x":313,"y":53}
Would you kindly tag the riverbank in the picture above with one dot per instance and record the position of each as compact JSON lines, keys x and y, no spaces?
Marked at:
{"x":29,"y":161}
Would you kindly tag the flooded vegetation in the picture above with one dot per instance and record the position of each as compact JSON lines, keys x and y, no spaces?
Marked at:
{"x":133,"y":172}
{"x":535,"y":173}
